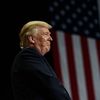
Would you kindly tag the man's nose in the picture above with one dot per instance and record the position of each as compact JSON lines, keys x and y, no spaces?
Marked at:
{"x":51,"y":38}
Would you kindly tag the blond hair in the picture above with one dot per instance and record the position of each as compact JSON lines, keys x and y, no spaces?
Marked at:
{"x":30,"y":28}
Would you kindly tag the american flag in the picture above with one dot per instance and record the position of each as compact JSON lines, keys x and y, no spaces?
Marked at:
{"x":76,"y":46}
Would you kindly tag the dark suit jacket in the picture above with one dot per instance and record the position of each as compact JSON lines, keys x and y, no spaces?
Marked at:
{"x":32,"y":78}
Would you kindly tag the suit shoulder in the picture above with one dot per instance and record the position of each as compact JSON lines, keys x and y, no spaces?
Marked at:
{"x":29,"y":52}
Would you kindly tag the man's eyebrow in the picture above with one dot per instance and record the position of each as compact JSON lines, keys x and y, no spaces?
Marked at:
{"x":47,"y":32}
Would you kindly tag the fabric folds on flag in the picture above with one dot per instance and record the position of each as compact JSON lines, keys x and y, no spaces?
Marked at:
{"x":76,"y":47}
{"x":77,"y":64}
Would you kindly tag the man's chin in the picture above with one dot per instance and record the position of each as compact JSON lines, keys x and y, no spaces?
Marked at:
{"x":47,"y":50}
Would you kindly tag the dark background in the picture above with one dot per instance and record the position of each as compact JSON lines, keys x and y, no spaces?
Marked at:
{"x":14,"y":14}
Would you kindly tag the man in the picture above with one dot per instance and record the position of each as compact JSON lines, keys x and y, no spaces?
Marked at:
{"x":32,"y":77}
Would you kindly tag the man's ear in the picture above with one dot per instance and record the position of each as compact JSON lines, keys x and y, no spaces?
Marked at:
{"x":30,"y":38}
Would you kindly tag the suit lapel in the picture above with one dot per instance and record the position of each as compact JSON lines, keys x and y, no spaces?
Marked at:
{"x":49,"y":67}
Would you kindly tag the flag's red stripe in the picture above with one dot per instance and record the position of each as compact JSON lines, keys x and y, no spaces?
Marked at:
{"x":87,"y":69}
{"x":98,"y":50}
{"x":71,"y":64}
{"x":56,"y":56}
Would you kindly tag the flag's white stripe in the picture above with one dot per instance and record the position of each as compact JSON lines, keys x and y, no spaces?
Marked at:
{"x":79,"y":67}
{"x":63,"y":60}
{"x":95,"y":67}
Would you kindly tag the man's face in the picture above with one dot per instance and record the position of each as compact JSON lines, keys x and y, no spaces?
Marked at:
{"x":43,"y":40}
